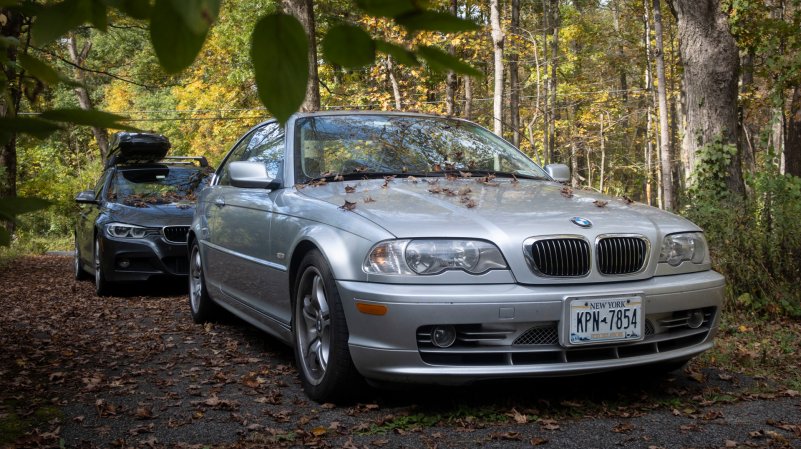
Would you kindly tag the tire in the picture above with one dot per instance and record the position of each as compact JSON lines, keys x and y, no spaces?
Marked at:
{"x":201,"y":306}
{"x":102,"y":286}
{"x":320,"y":333}
{"x":78,"y":271}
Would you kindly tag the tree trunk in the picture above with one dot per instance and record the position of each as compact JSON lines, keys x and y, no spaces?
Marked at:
{"x":554,"y":9}
{"x":514,"y":83}
{"x":711,"y":69}
{"x":621,"y":57}
{"x":11,"y":28}
{"x":746,"y":133}
{"x":546,"y":111}
{"x":649,"y":126}
{"x":396,"y":93}
{"x":792,"y":148}
{"x":303,"y":10}
{"x":84,"y":100}
{"x":497,"y":51}
{"x":451,"y":83}
{"x":468,"y":97}
{"x":664,"y":132}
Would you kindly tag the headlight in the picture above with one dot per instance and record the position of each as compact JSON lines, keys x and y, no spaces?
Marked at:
{"x":125,"y":231}
{"x":407,"y":257}
{"x":689,"y":246}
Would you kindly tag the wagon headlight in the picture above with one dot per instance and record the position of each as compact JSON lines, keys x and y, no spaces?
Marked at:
{"x":689,"y":246}
{"x":125,"y":231}
{"x":400,"y":257}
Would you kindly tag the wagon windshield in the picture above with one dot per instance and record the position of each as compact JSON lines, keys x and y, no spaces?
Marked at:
{"x":143,"y":187}
{"x":402,"y":144}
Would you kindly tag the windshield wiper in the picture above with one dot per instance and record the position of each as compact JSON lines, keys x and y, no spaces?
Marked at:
{"x":466,"y":174}
{"x":335,"y":177}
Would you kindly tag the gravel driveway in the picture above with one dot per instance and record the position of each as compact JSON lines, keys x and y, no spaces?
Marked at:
{"x":134,"y":371}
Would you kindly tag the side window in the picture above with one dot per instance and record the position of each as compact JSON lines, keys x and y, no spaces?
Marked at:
{"x":267,"y":147}
{"x":235,"y":155}
{"x":100,"y":183}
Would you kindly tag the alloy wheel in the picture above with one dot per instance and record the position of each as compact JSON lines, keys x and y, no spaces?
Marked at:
{"x":314,"y":326}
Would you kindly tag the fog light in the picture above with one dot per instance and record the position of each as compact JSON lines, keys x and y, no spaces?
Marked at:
{"x":696,"y":319}
{"x":443,"y":336}
{"x":123,"y":263}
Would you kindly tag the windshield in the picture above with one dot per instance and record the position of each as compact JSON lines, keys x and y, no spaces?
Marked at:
{"x":142,"y":187}
{"x":402,"y":144}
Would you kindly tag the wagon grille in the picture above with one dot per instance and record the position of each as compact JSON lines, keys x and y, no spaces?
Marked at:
{"x":621,"y":255}
{"x":560,"y":257}
{"x":176,"y":234}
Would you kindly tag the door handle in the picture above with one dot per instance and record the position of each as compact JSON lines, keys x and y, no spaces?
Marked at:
{"x":219,"y":202}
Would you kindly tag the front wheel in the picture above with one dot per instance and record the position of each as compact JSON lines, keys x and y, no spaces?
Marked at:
{"x":102,"y":286}
{"x":320,"y":332}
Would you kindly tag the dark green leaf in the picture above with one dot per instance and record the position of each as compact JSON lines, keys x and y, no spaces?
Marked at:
{"x":435,"y":21}
{"x":138,"y":9}
{"x":387,"y":8}
{"x":279,"y":49}
{"x":198,"y":15}
{"x":401,"y":55}
{"x":439,"y":61}
{"x":11,"y":207}
{"x":27,"y":125}
{"x":99,"y":15}
{"x":39,"y":69}
{"x":349,"y":46}
{"x":176,"y":44}
{"x":54,"y":21}
{"x":99,"y":119}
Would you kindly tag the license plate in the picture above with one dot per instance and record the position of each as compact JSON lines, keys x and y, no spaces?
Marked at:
{"x":604,"y":320}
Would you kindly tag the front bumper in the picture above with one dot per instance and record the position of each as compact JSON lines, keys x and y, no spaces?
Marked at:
{"x":393,"y":346}
{"x":146,"y":257}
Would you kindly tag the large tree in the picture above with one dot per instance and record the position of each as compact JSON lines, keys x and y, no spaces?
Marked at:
{"x":303,"y":10}
{"x":711,"y":65}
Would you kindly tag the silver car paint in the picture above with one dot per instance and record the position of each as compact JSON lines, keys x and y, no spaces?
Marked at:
{"x":249,"y":247}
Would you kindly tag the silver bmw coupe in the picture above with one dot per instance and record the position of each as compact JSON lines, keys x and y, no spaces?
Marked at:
{"x":414,"y":248}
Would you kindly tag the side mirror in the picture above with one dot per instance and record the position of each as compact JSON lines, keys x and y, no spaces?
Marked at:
{"x":559,"y":172}
{"x":86,"y":197}
{"x":250,"y":175}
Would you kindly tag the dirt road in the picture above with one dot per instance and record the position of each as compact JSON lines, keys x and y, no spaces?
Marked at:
{"x":133,"y":371}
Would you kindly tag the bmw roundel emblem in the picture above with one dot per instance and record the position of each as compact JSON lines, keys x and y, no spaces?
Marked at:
{"x":582,"y":222}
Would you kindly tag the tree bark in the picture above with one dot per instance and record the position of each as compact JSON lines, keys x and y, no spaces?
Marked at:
{"x":514,"y":83}
{"x":621,"y":58}
{"x":84,"y":100}
{"x":11,"y":28}
{"x":303,"y":10}
{"x":497,"y":51}
{"x":396,"y":93}
{"x":546,"y":111}
{"x":451,"y":82}
{"x":468,"y":97}
{"x":664,"y":132}
{"x":711,"y":69}
{"x":554,"y":9}
{"x":649,"y":127}
{"x":792,"y":148}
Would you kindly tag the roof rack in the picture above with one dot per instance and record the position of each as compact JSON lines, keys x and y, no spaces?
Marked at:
{"x":175,"y":160}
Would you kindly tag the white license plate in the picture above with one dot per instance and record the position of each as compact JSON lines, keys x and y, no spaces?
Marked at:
{"x":604,"y":320}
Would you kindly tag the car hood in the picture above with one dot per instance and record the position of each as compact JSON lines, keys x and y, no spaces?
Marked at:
{"x":502,"y":211}
{"x":155,"y":215}
{"x":499,"y":208}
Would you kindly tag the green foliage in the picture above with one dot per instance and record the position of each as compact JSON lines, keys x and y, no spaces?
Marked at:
{"x":178,"y":30}
{"x":755,"y":243}
{"x":279,"y":53}
{"x":349,"y":46}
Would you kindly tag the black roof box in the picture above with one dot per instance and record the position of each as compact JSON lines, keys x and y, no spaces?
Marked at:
{"x":126,"y":147}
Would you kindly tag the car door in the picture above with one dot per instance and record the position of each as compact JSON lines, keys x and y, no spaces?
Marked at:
{"x":85,"y":224}
{"x":245,"y":218}
{"x":218,"y":259}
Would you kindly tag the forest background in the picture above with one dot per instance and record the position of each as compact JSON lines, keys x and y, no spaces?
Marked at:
{"x":609,"y":87}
